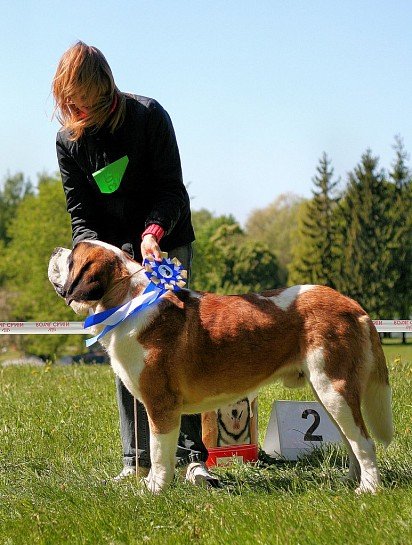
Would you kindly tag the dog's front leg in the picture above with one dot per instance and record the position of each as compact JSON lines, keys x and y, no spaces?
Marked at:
{"x":162,"y":455}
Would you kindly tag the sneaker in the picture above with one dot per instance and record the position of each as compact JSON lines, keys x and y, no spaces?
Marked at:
{"x":127,"y":471}
{"x":198,"y":474}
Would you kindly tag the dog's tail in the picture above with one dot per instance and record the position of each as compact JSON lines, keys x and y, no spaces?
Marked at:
{"x":377,"y":398}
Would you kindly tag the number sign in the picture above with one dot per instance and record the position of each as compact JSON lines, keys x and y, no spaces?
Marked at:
{"x":297,"y":427}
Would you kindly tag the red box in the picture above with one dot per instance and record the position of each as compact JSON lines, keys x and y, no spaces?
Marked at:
{"x":224,"y":455}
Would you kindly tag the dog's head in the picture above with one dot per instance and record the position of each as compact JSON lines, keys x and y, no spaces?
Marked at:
{"x":93,"y":272}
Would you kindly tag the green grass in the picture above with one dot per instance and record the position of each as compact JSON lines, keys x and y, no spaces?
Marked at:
{"x":59,"y":442}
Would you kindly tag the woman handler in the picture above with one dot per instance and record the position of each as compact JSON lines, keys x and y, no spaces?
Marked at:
{"x":143,"y":208}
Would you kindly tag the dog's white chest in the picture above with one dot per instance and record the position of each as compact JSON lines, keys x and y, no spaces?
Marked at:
{"x":126,"y":358}
{"x":126,"y":354}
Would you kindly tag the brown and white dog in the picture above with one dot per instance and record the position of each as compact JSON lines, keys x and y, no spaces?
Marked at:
{"x":194,"y":352}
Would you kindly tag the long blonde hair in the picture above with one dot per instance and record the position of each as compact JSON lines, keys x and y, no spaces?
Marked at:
{"x":84,"y":72}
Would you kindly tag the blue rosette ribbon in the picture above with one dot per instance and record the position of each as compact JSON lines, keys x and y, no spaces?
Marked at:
{"x":166,"y":275}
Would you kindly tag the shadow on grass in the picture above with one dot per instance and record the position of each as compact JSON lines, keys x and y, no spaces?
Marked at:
{"x":323,"y":469}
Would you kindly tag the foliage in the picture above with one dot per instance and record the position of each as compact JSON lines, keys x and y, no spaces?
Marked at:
{"x":227,"y":262}
{"x":401,"y":176}
{"x":370,"y":236}
{"x":275,"y":226}
{"x":15,"y":188}
{"x":208,"y":263}
{"x":360,"y":242}
{"x":315,"y":249}
{"x":39,"y":225}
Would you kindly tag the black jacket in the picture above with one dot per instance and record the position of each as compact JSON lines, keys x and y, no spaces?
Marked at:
{"x":151,"y":191}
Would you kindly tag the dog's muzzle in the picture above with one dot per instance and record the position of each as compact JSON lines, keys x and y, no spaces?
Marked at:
{"x":57,"y":263}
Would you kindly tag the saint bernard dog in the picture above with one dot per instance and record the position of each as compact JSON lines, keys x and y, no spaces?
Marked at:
{"x":194,"y":351}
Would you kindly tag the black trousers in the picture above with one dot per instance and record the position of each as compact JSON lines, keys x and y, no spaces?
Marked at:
{"x":190,"y":445}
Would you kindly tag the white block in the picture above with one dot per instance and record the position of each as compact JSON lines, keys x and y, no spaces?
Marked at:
{"x":297,"y":427}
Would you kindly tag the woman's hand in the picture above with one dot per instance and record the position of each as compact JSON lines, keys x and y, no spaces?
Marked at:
{"x":150,"y":248}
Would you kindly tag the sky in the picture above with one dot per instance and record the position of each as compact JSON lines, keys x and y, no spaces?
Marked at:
{"x":257,"y":91}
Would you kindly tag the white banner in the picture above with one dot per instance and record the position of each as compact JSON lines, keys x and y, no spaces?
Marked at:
{"x":393,"y":326}
{"x":42,"y":328}
{"x":76,"y":328}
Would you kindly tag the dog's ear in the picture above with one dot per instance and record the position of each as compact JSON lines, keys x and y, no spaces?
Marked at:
{"x":88,"y":278}
{"x":85,"y":288}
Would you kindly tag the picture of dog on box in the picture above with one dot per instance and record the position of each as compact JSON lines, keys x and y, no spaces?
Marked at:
{"x":232,"y":424}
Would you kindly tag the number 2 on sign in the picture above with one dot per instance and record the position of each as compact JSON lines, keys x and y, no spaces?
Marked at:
{"x":312,"y":428}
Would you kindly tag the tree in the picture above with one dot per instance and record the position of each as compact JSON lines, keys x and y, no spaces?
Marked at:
{"x":40,"y":224}
{"x":15,"y":188}
{"x":227,"y":262}
{"x":255,"y":269}
{"x":274,"y":226}
{"x":315,"y":250}
{"x":208,"y":260}
{"x":368,"y":238}
{"x":401,"y":177}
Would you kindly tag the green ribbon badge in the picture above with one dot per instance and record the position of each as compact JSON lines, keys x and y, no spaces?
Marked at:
{"x":109,"y":178}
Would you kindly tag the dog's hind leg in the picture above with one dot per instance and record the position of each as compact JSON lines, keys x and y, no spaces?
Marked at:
{"x":342,"y":402}
{"x":162,"y":455}
{"x":354,"y":472}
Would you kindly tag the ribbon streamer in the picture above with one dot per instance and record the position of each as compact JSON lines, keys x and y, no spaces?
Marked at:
{"x":164,"y":276}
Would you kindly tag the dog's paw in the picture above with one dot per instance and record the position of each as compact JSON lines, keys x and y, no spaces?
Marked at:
{"x":154,"y":483}
{"x":367,"y":488}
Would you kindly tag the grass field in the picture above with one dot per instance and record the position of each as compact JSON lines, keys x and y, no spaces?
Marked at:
{"x":59,"y":443}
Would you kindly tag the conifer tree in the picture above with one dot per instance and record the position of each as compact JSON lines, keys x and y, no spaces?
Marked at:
{"x":368,"y":233}
{"x":401,"y":177}
{"x":315,"y":252}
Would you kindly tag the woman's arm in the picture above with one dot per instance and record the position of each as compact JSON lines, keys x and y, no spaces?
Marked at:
{"x":169,"y":192}
{"x":79,"y":197}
